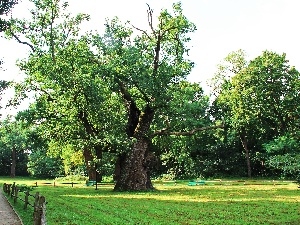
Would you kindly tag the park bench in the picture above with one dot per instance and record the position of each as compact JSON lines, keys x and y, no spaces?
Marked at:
{"x":90,"y":183}
{"x":195,"y":183}
{"x":93,"y":183}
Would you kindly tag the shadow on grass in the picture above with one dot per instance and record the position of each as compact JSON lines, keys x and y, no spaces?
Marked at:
{"x":180,"y":204}
{"x":204,"y":205}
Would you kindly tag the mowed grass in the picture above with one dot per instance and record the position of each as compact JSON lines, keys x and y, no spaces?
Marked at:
{"x":255,"y":203}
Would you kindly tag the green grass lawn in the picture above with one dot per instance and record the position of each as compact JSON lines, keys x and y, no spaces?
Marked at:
{"x":253,"y":202}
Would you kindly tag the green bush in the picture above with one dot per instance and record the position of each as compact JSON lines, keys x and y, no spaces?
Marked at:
{"x":41,"y":165}
{"x":24,"y":187}
{"x":284,"y":156}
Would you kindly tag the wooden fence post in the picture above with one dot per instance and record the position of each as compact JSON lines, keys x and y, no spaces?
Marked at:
{"x":26,"y":199}
{"x":39,"y":215}
{"x":8,"y":189}
{"x":13,"y":190}
{"x":16,"y":191}
{"x":5,"y":187}
{"x":42,"y":205}
{"x":36,"y":213}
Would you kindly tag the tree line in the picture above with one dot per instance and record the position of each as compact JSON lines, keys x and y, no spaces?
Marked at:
{"x":120,"y":104}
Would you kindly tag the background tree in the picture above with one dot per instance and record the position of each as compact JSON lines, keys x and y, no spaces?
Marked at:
{"x":229,"y":104}
{"x":260,"y":102}
{"x":71,"y":103}
{"x":14,"y":143}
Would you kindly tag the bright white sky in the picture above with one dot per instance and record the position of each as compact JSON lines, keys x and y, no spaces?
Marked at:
{"x":222,"y":26}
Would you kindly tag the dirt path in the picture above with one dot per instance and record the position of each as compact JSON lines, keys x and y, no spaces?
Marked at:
{"x":7,"y":214}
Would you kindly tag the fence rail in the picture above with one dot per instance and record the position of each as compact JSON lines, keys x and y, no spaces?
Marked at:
{"x":55,"y":184}
{"x":39,"y":203}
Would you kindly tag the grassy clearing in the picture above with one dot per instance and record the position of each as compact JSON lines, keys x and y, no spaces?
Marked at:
{"x":230,"y":203}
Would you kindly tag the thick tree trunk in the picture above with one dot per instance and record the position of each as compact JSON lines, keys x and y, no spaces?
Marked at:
{"x":90,"y":167}
{"x":132,"y":171}
{"x":247,"y":155}
{"x":13,"y":163}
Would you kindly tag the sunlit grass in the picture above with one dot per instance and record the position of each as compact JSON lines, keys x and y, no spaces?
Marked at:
{"x":173,"y":204}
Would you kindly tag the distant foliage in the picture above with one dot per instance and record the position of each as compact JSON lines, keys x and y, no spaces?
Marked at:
{"x":43,"y":166}
{"x":284,"y":154}
{"x":71,"y":178}
{"x":5,"y":8}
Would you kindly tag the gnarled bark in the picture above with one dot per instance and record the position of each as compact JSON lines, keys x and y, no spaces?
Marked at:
{"x":132,"y":169}
{"x":134,"y":173}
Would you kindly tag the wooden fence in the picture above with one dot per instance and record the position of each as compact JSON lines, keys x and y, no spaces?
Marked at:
{"x":55,"y":184}
{"x":38,"y":204}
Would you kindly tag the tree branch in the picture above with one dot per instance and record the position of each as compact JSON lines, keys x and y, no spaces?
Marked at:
{"x":23,"y":42}
{"x":156,"y":57}
{"x":90,"y":129}
{"x":132,"y":109}
{"x":166,"y":30}
{"x":140,"y":30}
{"x":53,"y":17}
{"x":148,"y":100}
{"x":38,"y":89}
{"x":150,"y":19}
{"x":165,"y":131}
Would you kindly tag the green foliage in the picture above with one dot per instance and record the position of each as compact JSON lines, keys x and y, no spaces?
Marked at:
{"x":24,"y":188}
{"x":258,"y":100}
{"x":72,"y":104}
{"x":5,"y":161}
{"x":13,"y":140}
{"x":72,"y":159}
{"x":5,"y":7}
{"x":284,"y":156}
{"x":283,"y":145}
{"x":287,"y":163}
{"x":4,"y":84}
{"x":186,"y":110}
{"x":43,"y":166}
{"x":76,"y":177}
